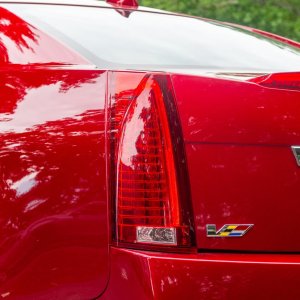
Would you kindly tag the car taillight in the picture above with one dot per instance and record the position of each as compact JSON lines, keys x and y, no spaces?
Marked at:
{"x":286,"y":81}
{"x":150,"y":197}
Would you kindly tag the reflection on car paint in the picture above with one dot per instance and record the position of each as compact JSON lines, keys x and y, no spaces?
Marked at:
{"x":52,"y":186}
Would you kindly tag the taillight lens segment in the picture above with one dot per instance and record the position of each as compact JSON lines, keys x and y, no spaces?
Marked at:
{"x":148,"y":208}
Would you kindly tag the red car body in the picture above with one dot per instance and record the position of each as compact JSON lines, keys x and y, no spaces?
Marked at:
{"x":77,"y":133}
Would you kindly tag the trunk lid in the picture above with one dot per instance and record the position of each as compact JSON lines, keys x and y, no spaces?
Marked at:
{"x":238,"y":137}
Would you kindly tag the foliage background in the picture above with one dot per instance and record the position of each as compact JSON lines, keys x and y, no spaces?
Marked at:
{"x":278,"y":16}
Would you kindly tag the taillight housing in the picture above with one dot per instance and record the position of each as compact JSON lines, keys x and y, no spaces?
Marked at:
{"x":150,"y":187}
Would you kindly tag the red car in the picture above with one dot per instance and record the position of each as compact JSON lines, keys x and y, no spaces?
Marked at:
{"x":146,"y":155}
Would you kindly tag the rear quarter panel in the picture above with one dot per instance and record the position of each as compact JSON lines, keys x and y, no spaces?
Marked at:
{"x":53,"y":217}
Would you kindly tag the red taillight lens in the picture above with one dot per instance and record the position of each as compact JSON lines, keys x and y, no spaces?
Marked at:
{"x":286,"y":81}
{"x":148,"y":206}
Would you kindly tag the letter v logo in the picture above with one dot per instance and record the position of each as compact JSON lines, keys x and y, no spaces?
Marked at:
{"x":228,"y":230}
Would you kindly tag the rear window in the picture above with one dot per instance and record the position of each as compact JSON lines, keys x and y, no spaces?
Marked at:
{"x":158,"y":41}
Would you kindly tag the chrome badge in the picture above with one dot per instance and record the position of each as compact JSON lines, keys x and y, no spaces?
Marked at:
{"x":228,"y":230}
{"x":296,"y":151}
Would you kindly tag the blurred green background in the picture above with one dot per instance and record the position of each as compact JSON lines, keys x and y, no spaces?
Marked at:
{"x":278,"y":16}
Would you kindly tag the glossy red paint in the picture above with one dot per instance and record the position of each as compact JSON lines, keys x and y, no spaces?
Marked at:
{"x":53,"y":218}
{"x":58,"y":181}
{"x":146,"y":275}
{"x":24,"y":44}
{"x":283,"y":81}
{"x":226,"y":111}
{"x":239,"y":140}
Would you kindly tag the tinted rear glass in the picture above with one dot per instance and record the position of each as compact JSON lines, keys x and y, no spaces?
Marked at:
{"x":156,"y":41}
